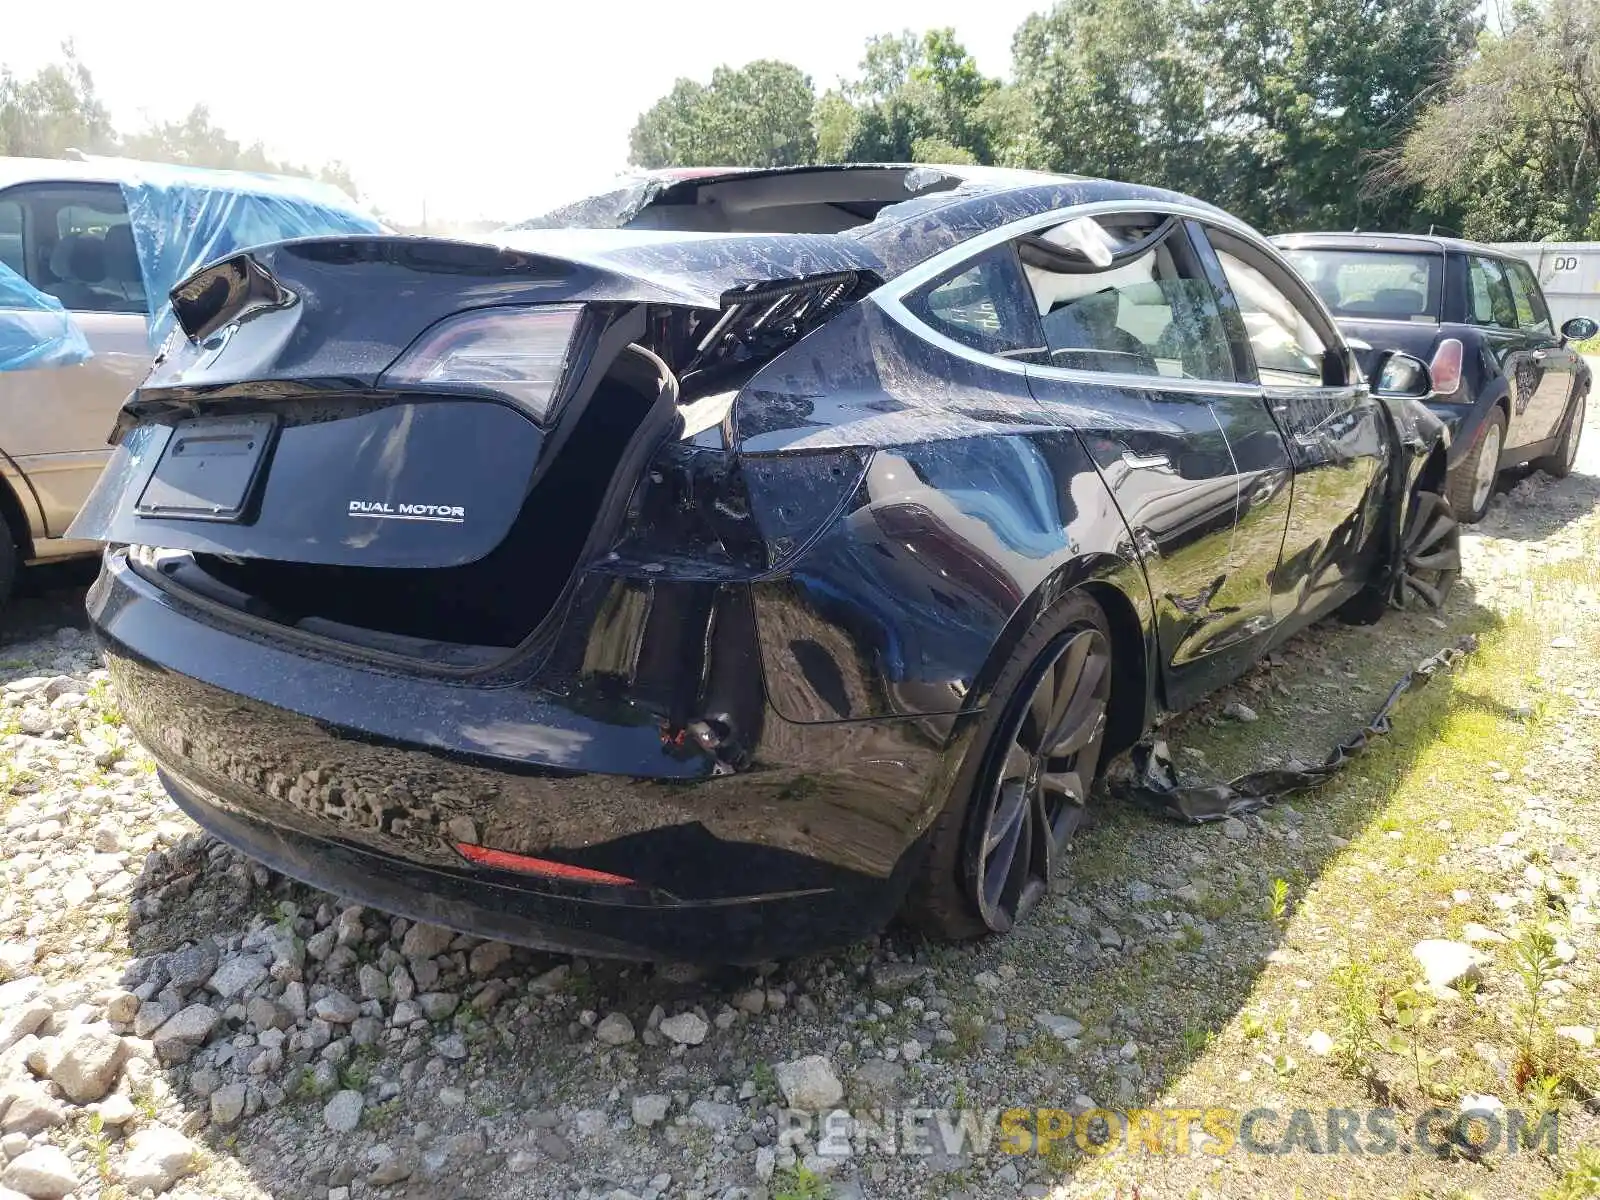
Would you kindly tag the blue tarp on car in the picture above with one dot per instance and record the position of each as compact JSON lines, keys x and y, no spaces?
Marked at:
{"x":35,"y":330}
{"x":181,"y":219}
{"x":186,"y":217}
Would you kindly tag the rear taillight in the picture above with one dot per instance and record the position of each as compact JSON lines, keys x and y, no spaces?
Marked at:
{"x":518,"y":353}
{"x":743,"y":516}
{"x":504,"y":860}
{"x":1446,"y":368}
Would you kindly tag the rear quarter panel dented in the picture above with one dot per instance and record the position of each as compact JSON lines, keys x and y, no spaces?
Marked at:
{"x":972,"y":508}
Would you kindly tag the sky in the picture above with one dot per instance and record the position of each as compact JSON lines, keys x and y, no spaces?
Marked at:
{"x":474,"y":109}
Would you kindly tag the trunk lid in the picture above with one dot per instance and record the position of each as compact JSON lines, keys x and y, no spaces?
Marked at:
{"x":269,"y":446}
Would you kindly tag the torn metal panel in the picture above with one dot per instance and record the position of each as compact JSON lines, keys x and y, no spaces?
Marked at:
{"x":1154,"y":780}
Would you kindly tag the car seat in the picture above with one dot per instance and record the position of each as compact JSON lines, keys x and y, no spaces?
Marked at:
{"x":123,"y":278}
{"x":1083,"y":334}
{"x":76,"y":263}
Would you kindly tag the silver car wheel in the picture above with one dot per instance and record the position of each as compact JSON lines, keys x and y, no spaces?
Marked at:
{"x":1488,"y":467}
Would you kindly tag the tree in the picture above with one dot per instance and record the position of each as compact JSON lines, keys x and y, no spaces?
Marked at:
{"x":1313,"y":94}
{"x":1114,"y":90}
{"x":758,"y":115}
{"x":912,"y":92}
{"x":1513,"y":143}
{"x":1273,"y":109}
{"x":54,"y":111}
{"x":194,"y":141}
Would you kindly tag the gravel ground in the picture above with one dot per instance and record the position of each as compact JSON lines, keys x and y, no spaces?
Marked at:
{"x":178,"y":1020}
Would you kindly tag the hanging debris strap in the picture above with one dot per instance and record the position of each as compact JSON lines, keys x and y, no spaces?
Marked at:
{"x":1154,"y":782}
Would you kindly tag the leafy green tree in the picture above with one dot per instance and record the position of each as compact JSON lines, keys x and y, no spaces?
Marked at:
{"x":54,"y":111}
{"x":913,"y":91}
{"x":1114,"y":90}
{"x":1313,"y":94}
{"x":758,"y":115}
{"x":1274,"y":109}
{"x":1513,"y":144}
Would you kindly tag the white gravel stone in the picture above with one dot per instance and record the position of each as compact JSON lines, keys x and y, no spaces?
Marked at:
{"x":650,"y":1110}
{"x":17,"y":959}
{"x":809,"y":1083}
{"x":87,"y":1061}
{"x":177,"y":1038}
{"x":1446,"y":963}
{"x":373,"y":982}
{"x":117,"y":1110}
{"x":236,"y":975}
{"x":426,"y":941}
{"x":227,"y":1105}
{"x":614,"y":1030}
{"x":687,"y":1029}
{"x":31,"y":1109}
{"x":44,"y":1173}
{"x":1064,"y":1028}
{"x":342,"y":1113}
{"x":336,"y":1008}
{"x":22,"y":1010}
{"x":157,"y":1158}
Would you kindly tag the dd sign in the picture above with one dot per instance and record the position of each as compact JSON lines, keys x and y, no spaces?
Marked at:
{"x":1565,"y":262}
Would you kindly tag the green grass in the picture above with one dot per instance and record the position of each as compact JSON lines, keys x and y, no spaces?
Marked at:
{"x":797,"y":1183}
{"x":1415,"y":816}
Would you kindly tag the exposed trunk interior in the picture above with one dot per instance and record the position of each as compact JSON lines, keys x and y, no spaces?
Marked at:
{"x":496,"y":601}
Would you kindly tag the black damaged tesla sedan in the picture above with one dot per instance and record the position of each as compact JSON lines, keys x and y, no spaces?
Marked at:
{"x":732,"y":560}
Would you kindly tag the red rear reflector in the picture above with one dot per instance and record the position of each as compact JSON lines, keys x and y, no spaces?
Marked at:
{"x":504,"y":860}
{"x":1446,"y":366}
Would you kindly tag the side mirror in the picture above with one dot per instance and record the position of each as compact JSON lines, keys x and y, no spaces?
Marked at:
{"x":1580,"y":329}
{"x":1400,"y":376}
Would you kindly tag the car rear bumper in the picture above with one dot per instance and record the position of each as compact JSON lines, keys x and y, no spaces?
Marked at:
{"x":368,"y":784}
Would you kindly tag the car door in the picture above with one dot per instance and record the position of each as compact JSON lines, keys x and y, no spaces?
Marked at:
{"x":1336,"y":432}
{"x":75,"y":243}
{"x":1492,"y":308}
{"x":1139,"y":361}
{"x":1553,"y":365}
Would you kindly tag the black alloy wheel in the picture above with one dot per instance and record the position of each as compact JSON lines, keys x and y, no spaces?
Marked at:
{"x":1043,"y":765}
{"x":1430,"y":548}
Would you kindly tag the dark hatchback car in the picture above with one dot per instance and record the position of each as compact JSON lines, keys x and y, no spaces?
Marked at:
{"x":1506,"y":381}
{"x":790,"y":550}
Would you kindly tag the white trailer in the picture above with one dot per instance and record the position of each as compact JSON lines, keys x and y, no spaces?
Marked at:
{"x":1569,"y":273}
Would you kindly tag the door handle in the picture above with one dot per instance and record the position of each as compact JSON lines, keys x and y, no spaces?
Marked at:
{"x":1146,"y":462}
{"x":1539,"y":356}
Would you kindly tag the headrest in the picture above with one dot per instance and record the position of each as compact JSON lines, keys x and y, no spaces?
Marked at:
{"x":1400,"y":301}
{"x":122,"y":260}
{"x":89,"y":260}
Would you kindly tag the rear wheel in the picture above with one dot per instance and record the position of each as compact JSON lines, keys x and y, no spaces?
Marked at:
{"x":1559,"y":465}
{"x":1472,"y":482}
{"x":1023,"y":792}
{"x":8,"y":565}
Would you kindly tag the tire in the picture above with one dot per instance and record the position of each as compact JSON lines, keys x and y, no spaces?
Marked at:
{"x":1430,"y":550}
{"x":965,"y":890}
{"x":9,"y":559}
{"x":1471,"y":483}
{"x":1559,"y":465}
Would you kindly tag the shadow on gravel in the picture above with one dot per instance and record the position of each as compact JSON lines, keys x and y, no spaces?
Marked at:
{"x":47,"y":598}
{"x":481,"y":1073}
{"x":1560,"y":504}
